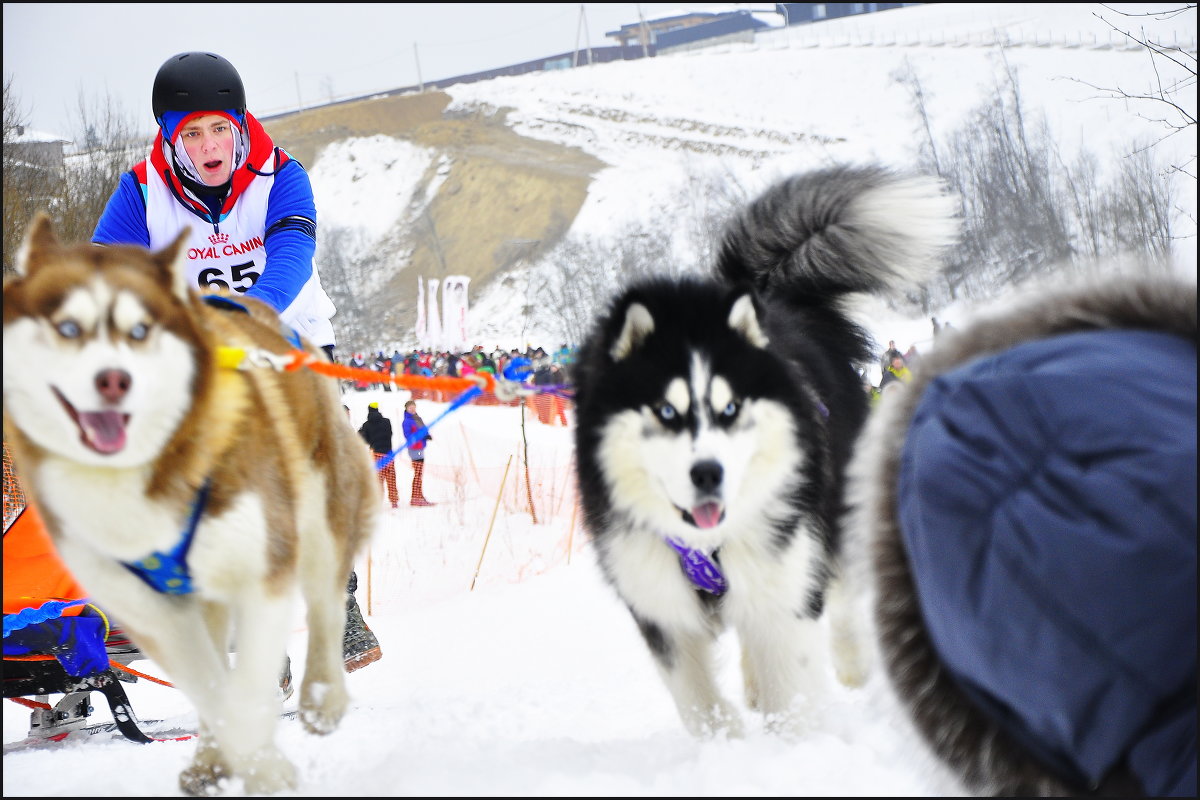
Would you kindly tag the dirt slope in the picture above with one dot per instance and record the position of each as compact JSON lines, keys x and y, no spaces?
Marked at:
{"x":506,"y":197}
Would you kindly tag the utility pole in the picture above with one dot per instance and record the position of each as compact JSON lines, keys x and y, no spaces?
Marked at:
{"x":578,"y":28}
{"x":587,"y":35}
{"x":645,"y":35}
{"x":420,"y":82}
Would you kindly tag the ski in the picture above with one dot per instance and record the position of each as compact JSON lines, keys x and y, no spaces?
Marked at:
{"x":150,"y":730}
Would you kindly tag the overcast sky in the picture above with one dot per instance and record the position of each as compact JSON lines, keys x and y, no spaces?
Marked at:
{"x":287,"y":54}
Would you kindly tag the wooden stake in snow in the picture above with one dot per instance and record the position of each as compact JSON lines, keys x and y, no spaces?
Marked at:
{"x":495,"y":508}
{"x":470,"y":457}
{"x":571,"y":530}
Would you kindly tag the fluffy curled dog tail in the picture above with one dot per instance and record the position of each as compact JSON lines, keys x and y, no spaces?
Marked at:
{"x":840,"y":230}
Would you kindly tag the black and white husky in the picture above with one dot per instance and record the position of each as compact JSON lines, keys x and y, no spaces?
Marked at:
{"x":715,"y":417}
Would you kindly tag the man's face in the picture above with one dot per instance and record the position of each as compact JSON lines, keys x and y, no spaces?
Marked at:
{"x":208,"y":141}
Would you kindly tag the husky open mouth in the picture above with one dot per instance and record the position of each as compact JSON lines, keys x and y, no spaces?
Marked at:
{"x":705,"y":515}
{"x":102,"y":431}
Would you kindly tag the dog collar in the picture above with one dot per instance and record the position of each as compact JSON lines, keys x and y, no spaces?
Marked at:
{"x":700,"y":568}
{"x":167,"y":573}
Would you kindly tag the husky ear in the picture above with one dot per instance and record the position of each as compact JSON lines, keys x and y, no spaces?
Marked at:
{"x":171,"y":259}
{"x":638,"y":325}
{"x":39,"y":236}
{"x":743,"y":319}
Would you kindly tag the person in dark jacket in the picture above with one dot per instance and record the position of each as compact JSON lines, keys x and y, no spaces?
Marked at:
{"x":415,"y":437}
{"x":376,"y":431}
{"x":1027,"y":513}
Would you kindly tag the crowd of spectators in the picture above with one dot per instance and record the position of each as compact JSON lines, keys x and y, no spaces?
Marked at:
{"x":534,"y":365}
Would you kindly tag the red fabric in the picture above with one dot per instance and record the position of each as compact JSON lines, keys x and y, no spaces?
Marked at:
{"x":387,"y":476}
{"x":418,"y":495}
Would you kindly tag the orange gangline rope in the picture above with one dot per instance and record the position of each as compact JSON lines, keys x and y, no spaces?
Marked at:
{"x":303,"y":359}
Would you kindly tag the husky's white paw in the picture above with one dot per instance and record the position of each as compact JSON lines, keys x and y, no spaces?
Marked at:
{"x":203,"y":777}
{"x":322,"y":706}
{"x":720,"y":721}
{"x":791,"y":724}
{"x":850,"y":662}
{"x":751,"y":686}
{"x":269,"y":772}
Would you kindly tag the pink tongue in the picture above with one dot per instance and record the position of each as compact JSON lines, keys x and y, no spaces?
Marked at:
{"x":707,"y":515}
{"x":103,"y":431}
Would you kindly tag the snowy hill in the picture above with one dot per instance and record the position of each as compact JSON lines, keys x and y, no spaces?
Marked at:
{"x":672,"y":131}
{"x":509,"y":668}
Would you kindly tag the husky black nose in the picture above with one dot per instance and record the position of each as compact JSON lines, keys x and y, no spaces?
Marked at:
{"x":706,"y":475}
{"x":112,"y":384}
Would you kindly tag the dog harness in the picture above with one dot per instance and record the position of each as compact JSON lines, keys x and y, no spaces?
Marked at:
{"x":167,"y":573}
{"x":229,"y":304}
{"x":700,"y":568}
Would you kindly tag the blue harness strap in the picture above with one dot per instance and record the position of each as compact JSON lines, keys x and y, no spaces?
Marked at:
{"x":167,"y":573}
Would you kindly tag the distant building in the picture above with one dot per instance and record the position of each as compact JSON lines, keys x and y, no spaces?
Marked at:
{"x":648,"y":38}
{"x":801,"y":13}
{"x":648,"y":32}
{"x":35,"y":150}
{"x":739,"y":26}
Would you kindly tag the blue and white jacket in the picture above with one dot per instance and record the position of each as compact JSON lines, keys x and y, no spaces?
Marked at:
{"x":260,"y":240}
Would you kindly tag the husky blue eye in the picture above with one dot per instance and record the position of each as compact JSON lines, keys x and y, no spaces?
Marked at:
{"x":730,"y":410}
{"x":139,"y":332}
{"x":68,"y":329}
{"x":666,"y":412}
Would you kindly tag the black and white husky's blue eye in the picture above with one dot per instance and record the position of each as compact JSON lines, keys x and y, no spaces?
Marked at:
{"x":68,"y":329}
{"x":139,"y":332}
{"x":730,"y":410}
{"x":666,"y":412}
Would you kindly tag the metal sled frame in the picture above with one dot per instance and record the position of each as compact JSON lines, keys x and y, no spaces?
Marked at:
{"x":39,"y":679}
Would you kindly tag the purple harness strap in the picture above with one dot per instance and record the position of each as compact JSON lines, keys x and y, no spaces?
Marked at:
{"x":699,"y":568}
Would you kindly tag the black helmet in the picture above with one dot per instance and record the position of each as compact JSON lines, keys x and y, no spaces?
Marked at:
{"x":197,"y":82}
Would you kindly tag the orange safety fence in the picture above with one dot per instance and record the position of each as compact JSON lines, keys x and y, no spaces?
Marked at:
{"x":550,"y":408}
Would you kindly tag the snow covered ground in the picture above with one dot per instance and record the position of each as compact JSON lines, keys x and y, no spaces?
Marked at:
{"x":535,"y":682}
{"x":509,"y":668}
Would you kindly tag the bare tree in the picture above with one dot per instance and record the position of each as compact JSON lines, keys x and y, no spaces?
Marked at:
{"x":341,"y":276}
{"x":73,"y":190}
{"x":581,"y":275}
{"x":111,"y":147}
{"x":1025,"y":210}
{"x":1175,"y":73}
{"x":33,"y":180}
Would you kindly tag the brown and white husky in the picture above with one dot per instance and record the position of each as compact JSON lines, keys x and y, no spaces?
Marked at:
{"x":191,"y":498}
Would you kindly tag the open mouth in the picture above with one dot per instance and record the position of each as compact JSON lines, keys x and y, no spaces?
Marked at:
{"x":213,"y":165}
{"x":102,"y":431}
{"x":705,"y":515}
